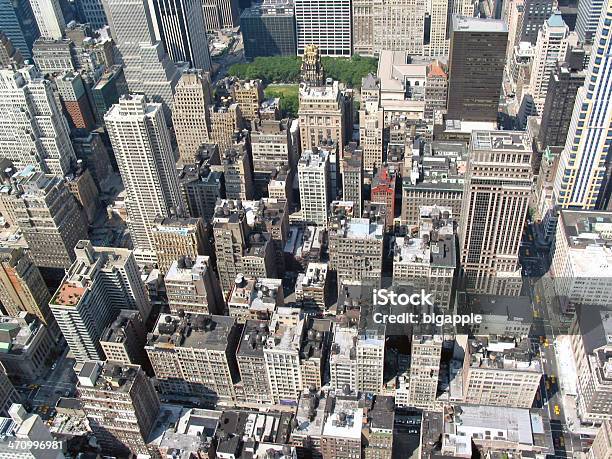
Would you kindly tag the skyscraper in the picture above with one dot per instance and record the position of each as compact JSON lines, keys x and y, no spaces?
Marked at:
{"x":93,"y":12}
{"x":476,"y":67}
{"x":551,"y":47}
{"x":49,"y":18}
{"x":180,"y":26}
{"x":492,"y":216}
{"x":438,"y":41}
{"x":424,"y":370}
{"x":220,"y":14}
{"x":535,"y":13}
{"x":191,"y":115}
{"x":581,"y":174}
{"x":589,"y":13}
{"x":49,"y":218}
{"x":33,"y":130}
{"x":148,"y":69}
{"x":313,"y":174}
{"x":268,"y":29}
{"x":18,"y":24}
{"x":325,"y":23}
{"x":141,"y":142}
{"x":362,"y":27}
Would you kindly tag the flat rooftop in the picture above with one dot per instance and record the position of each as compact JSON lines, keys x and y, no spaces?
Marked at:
{"x":195,"y":331}
{"x":472,"y":24}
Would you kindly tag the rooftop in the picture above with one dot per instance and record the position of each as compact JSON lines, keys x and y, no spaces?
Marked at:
{"x":196,"y":331}
{"x":473,"y":24}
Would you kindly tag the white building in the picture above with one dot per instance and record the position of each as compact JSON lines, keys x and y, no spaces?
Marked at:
{"x":313,"y":175}
{"x":581,"y":174}
{"x":551,"y":47}
{"x":49,"y":18}
{"x":141,"y":142}
{"x":399,"y":25}
{"x":33,"y":129}
{"x":589,"y":12}
{"x":424,"y":370}
{"x":325,"y":23}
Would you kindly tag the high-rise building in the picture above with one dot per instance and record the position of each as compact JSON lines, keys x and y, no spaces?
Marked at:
{"x":399,"y":25}
{"x":238,"y":169}
{"x":192,"y":286}
{"x":93,"y":13}
{"x":492,"y":217}
{"x":581,"y":174}
{"x":195,"y":355}
{"x":476,"y":67}
{"x":535,"y":13}
{"x":141,"y":142}
{"x":371,"y":123}
{"x":147,"y":67}
{"x":120,"y":404}
{"x":589,"y":14}
{"x":272,"y":148}
{"x":49,"y":218}
{"x":201,"y":187}
{"x":101,"y":282}
{"x":75,"y":100}
{"x":313,"y":176}
{"x":180,"y":27}
{"x":563,"y":87}
{"x":424,"y":370}
{"x":124,"y":339}
{"x":18,"y":23}
{"x":363,"y":27}
{"x":352,"y":176}
{"x":226,"y":120}
{"x":8,"y":394}
{"x":326,"y":24}
{"x":253,"y":386}
{"x":551,"y":48}
{"x":34,"y":130}
{"x":249,"y":96}
{"x":176,"y":237}
{"x":108,"y":89}
{"x":49,"y":18}
{"x":22,"y":287}
{"x":383,"y":191}
{"x":602,"y":445}
{"x":438,"y":36}
{"x":323,"y":114}
{"x":190,"y":113}
{"x":220,"y":14}
{"x":55,"y":55}
{"x":268,"y":29}
{"x":356,"y":250}
{"x":8,"y":53}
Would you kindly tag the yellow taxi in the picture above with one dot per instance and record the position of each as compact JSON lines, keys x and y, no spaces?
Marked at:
{"x":557,"y":410}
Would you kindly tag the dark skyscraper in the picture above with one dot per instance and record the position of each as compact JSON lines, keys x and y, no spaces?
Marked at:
{"x":476,"y":67}
{"x":18,"y":24}
{"x":535,"y":12}
{"x":559,"y":105}
{"x":268,"y":29}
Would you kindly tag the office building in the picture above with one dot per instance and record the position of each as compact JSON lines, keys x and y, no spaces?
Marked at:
{"x":147,"y":67}
{"x":475,"y":69}
{"x":492,"y":218}
{"x":371,"y":123}
{"x":356,"y":250}
{"x":35,"y":130}
{"x":192,"y":286}
{"x":582,"y":260}
{"x":436,"y":89}
{"x":49,"y":18}
{"x":424,"y":370}
{"x":195,"y":355}
{"x":563,"y":87}
{"x":190,"y":114}
{"x":226,"y":120}
{"x":427,"y":259}
{"x":382,"y":191}
{"x":108,"y":89}
{"x":502,"y":315}
{"x":49,"y":218}
{"x":180,"y":27}
{"x":220,"y":14}
{"x":75,"y":101}
{"x":55,"y":55}
{"x":534,"y":15}
{"x":8,"y":395}
{"x":18,"y":23}
{"x":602,"y":445}
{"x":100,"y":283}
{"x":589,"y":14}
{"x":22,"y":287}
{"x":312,"y":286}
{"x":326,"y":24}
{"x":582,"y":175}
{"x":27,"y":347}
{"x":82,"y":186}
{"x":323,"y":114}
{"x":399,"y":25}
{"x":253,"y":387}
{"x":91,"y":150}
{"x":93,"y":13}
{"x":120,"y":404}
{"x":313,"y":176}
{"x":438,"y":36}
{"x":8,"y":53}
{"x":124,"y":339}
{"x":551,"y":48}
{"x":268,"y":29}
{"x":501,"y":372}
{"x":436,"y":179}
{"x":249,"y":96}
{"x":352,"y":176}
{"x":363,"y":27}
{"x":272,"y":148}
{"x":342,"y":429}
{"x":238,"y":169}
{"x":201,"y":187}
{"x":176,"y":237}
{"x":254,"y":298}
{"x":140,"y":139}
